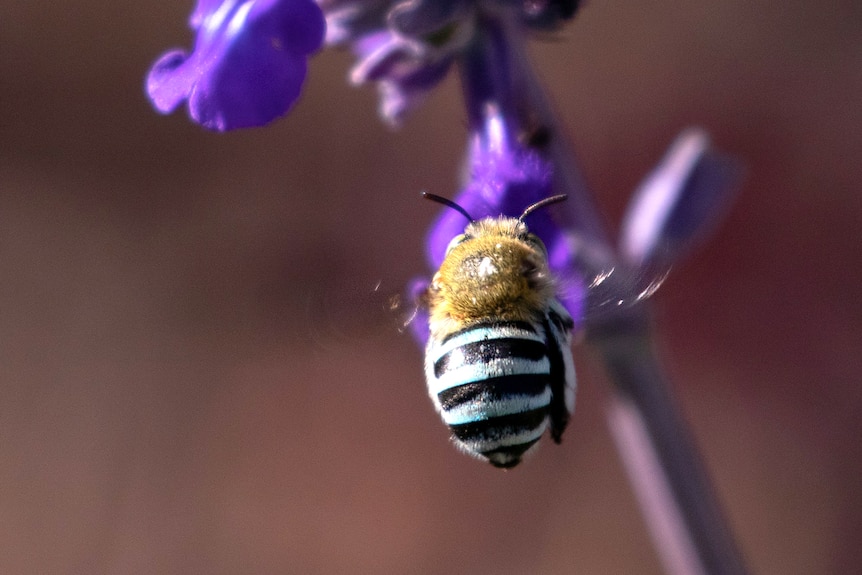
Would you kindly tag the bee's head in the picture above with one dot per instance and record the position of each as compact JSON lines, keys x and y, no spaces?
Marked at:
{"x":517,"y":228}
{"x":495,"y":268}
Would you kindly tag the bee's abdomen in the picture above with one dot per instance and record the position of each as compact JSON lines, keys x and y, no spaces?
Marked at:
{"x":491,"y":385}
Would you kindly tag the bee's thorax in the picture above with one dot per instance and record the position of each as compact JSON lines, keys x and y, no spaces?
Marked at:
{"x":491,"y":275}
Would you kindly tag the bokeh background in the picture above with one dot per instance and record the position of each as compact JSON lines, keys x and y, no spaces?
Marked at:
{"x":198,"y":375}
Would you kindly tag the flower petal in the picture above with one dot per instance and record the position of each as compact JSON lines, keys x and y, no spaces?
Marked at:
{"x":248,"y":64}
{"x":166,"y":87}
{"x":505,"y":178}
{"x":421,"y":18}
{"x":405,"y":71}
{"x":679,"y":202}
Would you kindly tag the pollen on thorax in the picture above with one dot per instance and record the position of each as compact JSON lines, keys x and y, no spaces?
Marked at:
{"x":486,"y":267}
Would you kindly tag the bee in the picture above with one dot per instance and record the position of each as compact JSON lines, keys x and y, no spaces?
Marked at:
{"x":498,"y":363}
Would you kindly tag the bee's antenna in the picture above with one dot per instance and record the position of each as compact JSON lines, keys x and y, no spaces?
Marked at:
{"x":451,"y":204}
{"x":542,"y":204}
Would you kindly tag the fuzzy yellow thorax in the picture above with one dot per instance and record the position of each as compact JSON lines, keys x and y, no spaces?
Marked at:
{"x":499,"y":271}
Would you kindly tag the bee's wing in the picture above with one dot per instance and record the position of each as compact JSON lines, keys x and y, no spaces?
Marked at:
{"x":593,"y":284}
{"x":674,"y":208}
{"x":409,"y":310}
{"x":619,"y":287}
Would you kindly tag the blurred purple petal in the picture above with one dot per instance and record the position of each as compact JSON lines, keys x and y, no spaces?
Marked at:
{"x":407,"y":47}
{"x":381,"y":55}
{"x":248,"y":64}
{"x":166,"y":88}
{"x":505,"y":178}
{"x":680,"y":202}
{"x":402,"y":94}
{"x":417,"y":18}
{"x":349,"y":20}
{"x":404,"y":70}
{"x":205,"y":9}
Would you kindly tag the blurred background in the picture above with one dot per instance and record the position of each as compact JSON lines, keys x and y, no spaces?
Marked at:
{"x":198,"y":373}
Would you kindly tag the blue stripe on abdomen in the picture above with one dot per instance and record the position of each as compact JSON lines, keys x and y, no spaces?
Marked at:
{"x":489,"y":350}
{"x":494,"y":397}
{"x":484,"y":407}
{"x":498,"y":430}
{"x":468,"y":373}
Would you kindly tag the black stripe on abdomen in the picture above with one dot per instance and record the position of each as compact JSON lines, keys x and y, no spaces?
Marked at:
{"x":486,"y":351}
{"x":499,"y":428}
{"x":493,"y":389}
{"x":508,"y":456}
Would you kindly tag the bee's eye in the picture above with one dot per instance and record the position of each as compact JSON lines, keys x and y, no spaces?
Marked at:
{"x":536,"y":243}
{"x":533,"y":272}
{"x":455,"y":241}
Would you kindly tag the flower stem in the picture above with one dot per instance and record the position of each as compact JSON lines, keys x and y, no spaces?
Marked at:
{"x":486,"y":74}
{"x":688,"y":529}
{"x":537,"y":111}
{"x":686,"y":524}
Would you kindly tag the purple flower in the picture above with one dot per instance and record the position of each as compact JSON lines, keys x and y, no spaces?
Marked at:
{"x":679,"y":203}
{"x":407,"y":47}
{"x":250,"y":57}
{"x":405,"y":71}
{"x":248,"y":63}
{"x":505,"y":177}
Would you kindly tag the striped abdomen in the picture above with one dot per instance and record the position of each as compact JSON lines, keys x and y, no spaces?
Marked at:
{"x":500,"y":385}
